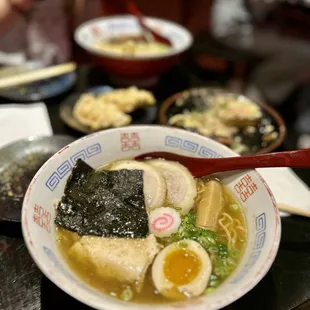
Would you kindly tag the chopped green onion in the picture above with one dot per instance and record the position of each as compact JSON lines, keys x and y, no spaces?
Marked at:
{"x":126,"y":294}
{"x":223,"y":250}
{"x":234,"y":207}
{"x":214,"y":283}
{"x":183,"y":244}
{"x":235,"y":253}
{"x":209,"y":290}
{"x":213,"y":249}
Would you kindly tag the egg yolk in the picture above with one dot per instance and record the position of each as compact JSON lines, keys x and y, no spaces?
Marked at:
{"x":181,"y":266}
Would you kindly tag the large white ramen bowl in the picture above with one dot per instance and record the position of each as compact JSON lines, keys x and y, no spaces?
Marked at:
{"x":248,"y":187}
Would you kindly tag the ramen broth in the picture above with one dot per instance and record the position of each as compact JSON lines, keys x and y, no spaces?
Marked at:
{"x":229,"y":242}
{"x":87,"y":273}
{"x":131,"y":45}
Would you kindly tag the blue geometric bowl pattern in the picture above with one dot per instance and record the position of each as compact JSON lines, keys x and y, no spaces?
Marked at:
{"x":258,"y":245}
{"x":50,"y":254}
{"x":192,"y":147}
{"x":64,"y":168}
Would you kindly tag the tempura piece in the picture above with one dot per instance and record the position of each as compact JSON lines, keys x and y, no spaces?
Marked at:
{"x":129,"y":99}
{"x":96,"y":114}
{"x":206,"y":123}
{"x":214,"y":127}
{"x":239,"y":112}
{"x":117,"y":260}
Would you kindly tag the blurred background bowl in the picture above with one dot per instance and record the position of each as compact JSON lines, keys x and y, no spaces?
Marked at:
{"x":253,"y":141}
{"x":141,"y":70}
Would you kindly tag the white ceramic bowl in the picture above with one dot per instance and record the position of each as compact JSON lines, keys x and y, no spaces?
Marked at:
{"x":137,"y":68}
{"x":248,"y":187}
{"x":105,"y":28}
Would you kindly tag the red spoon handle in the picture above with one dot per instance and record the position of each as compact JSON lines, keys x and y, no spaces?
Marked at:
{"x":133,"y":10}
{"x":204,"y":166}
{"x":299,"y":158}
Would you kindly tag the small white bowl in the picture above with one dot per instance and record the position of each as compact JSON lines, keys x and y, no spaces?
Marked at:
{"x":248,"y":187}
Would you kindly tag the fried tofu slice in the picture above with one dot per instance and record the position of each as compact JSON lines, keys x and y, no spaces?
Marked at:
{"x":117,"y":259}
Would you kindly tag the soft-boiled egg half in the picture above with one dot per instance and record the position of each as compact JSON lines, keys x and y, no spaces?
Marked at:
{"x":182,"y":270}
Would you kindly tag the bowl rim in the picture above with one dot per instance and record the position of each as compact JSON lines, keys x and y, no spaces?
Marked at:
{"x":170,"y":53}
{"x":167,"y":103}
{"x":270,"y":257}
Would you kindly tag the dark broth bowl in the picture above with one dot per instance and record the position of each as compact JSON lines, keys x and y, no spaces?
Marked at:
{"x":169,"y":108}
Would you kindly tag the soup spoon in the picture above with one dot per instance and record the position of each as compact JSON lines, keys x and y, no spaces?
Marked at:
{"x":149,"y":34}
{"x":204,"y":166}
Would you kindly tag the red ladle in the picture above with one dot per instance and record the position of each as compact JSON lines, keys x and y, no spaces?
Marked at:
{"x":204,"y":166}
{"x":133,"y":10}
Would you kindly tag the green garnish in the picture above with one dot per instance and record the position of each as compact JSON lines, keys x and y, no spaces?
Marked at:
{"x":224,"y":260}
{"x":214,"y":283}
{"x":234,"y":207}
{"x":126,"y":294}
{"x":188,"y":230}
{"x":209,"y":290}
{"x":183,"y":244}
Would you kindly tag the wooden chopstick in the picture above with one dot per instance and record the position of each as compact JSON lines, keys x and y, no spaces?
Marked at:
{"x":37,"y":75}
{"x":292,"y":210}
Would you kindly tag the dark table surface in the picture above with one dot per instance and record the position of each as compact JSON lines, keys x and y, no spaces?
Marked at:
{"x":286,"y":286}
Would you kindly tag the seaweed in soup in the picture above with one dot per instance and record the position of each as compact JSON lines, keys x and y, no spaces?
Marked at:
{"x":79,"y":176}
{"x":104,"y":203}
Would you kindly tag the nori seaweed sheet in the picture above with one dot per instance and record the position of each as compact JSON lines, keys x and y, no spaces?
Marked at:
{"x":104,"y":203}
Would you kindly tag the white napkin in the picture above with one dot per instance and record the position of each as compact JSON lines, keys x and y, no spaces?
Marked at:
{"x":18,"y":121}
{"x":287,"y":187}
